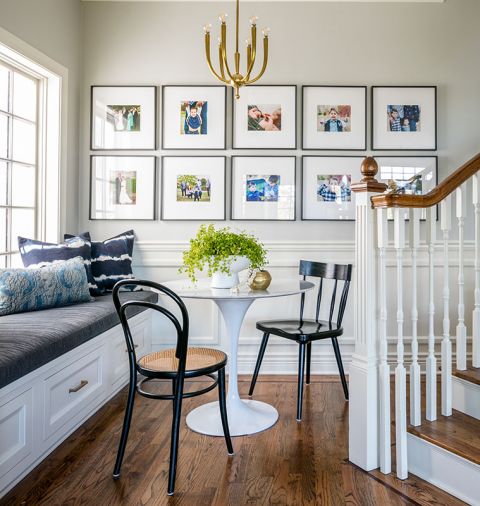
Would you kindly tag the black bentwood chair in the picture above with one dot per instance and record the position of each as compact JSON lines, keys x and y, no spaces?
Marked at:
{"x":175,"y":364}
{"x":304,"y":332}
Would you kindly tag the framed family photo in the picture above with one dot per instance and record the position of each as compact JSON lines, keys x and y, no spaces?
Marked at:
{"x":194,"y":117}
{"x":411,"y":175}
{"x":122,"y":187}
{"x":263,"y":188}
{"x":404,"y":118}
{"x":193,"y":188}
{"x":265,"y":117}
{"x":334,"y":117}
{"x":123,"y":117}
{"x":326,"y":187}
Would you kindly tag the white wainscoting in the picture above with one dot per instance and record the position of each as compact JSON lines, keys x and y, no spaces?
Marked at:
{"x":160,"y":261}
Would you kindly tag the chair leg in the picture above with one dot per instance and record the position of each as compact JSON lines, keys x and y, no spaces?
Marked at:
{"x":126,"y":425}
{"x":309,"y":358}
{"x":338,"y":356}
{"x":301,"y":371}
{"x":177,"y":411}
{"x":223,"y":409}
{"x":261,"y":352}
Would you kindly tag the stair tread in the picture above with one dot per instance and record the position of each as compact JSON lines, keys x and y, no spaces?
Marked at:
{"x":458,"y":434}
{"x":472,"y":374}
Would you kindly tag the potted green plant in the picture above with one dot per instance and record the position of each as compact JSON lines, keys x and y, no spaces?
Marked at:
{"x":224,"y":253}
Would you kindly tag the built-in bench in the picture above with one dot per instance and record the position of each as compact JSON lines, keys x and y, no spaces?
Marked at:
{"x":57,"y":367}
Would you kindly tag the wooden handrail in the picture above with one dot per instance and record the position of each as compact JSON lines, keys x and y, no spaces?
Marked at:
{"x":433,"y":197}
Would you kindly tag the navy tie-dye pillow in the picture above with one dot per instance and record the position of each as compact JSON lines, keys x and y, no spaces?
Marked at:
{"x":41,"y":254}
{"x":111,"y":259}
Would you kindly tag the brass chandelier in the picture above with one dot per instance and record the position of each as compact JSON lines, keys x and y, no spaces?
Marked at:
{"x":235,"y":79}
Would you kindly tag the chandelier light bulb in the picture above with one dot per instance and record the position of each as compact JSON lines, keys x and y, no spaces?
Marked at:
{"x":249,"y":42}
{"x":223,"y":17}
{"x":207,"y":28}
{"x":266,"y":31}
{"x":253,"y":20}
{"x":219,"y":41}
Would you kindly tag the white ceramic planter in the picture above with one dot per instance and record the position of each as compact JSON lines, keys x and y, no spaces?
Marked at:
{"x":223,"y":280}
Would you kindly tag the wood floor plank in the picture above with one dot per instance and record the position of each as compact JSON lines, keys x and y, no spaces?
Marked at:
{"x":291,"y":464}
{"x":471,"y":374}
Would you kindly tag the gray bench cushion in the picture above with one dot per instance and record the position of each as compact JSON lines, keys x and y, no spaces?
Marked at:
{"x":30,"y":340}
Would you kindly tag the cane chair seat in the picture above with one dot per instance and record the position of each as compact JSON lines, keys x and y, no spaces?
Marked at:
{"x":199,"y":361}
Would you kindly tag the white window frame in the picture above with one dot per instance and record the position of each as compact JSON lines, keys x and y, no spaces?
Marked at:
{"x":52,"y":131}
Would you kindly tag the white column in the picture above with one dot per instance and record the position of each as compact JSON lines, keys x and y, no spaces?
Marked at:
{"x":461,"y":344}
{"x":400,"y":372}
{"x":476,"y":310}
{"x":431,"y":365}
{"x":446,"y":224}
{"x":384,"y":368}
{"x":415,"y":395}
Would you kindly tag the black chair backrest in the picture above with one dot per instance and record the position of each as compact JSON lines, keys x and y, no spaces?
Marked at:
{"x":181,"y":328}
{"x":323,"y":271}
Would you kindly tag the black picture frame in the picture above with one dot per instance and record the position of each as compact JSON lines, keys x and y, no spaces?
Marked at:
{"x":302,"y":132}
{"x":155,"y":126}
{"x":372,"y":125}
{"x":224,"y":189}
{"x":302,"y":181}
{"x":166,"y":148}
{"x":155,"y":191}
{"x":295,"y":116}
{"x":261,"y":219}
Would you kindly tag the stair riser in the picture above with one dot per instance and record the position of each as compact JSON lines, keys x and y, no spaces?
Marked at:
{"x":466,"y":397}
{"x":444,"y":469}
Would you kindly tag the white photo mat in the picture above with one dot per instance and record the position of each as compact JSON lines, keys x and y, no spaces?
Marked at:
{"x":283,"y":96}
{"x":172,"y":99}
{"x":333,"y":96}
{"x":210,"y":207}
{"x":108,"y":132}
{"x":319,"y":172}
{"x":111,"y":183}
{"x":243,"y":168}
{"x":385,"y":96}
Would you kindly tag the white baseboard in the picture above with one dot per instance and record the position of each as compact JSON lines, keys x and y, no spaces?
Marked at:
{"x":466,"y":397}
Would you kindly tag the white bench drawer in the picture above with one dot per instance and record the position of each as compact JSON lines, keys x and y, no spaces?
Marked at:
{"x":16,"y":425}
{"x":71,"y":389}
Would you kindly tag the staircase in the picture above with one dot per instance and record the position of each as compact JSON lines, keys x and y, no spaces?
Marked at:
{"x":436,"y":432}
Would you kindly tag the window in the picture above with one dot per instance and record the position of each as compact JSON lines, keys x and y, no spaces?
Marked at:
{"x":18,"y":160}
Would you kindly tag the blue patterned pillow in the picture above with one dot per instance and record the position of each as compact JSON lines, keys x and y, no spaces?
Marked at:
{"x":40,"y":254}
{"x":111,"y":259}
{"x":58,"y":284}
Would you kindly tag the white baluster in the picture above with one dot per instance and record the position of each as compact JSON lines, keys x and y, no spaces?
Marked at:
{"x":431,"y":365}
{"x":400,"y":372}
{"x":461,"y":348}
{"x":415,"y":396}
{"x":384,"y":368}
{"x":446,"y":223}
{"x":476,"y":310}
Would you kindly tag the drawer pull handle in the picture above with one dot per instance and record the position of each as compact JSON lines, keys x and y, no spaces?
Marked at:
{"x":82,"y":384}
{"x":135,"y":346}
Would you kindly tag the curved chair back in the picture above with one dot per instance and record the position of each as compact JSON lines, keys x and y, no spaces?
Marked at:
{"x":181,"y":328}
{"x":337,"y":272}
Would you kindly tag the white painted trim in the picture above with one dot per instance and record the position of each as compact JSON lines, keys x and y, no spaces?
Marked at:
{"x":466,"y":397}
{"x":444,"y":469}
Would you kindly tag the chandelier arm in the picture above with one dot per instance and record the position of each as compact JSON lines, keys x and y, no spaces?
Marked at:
{"x":253,"y":55}
{"x":223,"y":49}
{"x":220,"y":61}
{"x":209,"y":61}
{"x":265,"y":61}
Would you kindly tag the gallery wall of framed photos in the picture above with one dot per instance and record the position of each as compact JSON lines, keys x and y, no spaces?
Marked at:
{"x":129,"y":181}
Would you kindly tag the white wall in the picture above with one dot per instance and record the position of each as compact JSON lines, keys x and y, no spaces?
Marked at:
{"x":54,"y":28}
{"x":311,"y":43}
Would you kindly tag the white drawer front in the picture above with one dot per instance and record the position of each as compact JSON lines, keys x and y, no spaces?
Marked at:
{"x":16,"y":424}
{"x":120,"y":357}
{"x":72,"y":388}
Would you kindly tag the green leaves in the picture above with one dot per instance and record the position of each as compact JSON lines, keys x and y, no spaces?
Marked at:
{"x":217,"y":249}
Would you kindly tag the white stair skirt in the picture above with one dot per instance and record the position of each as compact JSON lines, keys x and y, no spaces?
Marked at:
{"x":456,"y":475}
{"x":466,"y":397}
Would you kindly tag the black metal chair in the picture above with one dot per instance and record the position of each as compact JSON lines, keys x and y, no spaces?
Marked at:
{"x":175,"y":364}
{"x":304,"y":332}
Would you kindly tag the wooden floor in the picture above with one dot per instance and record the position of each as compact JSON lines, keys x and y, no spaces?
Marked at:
{"x":290,"y":464}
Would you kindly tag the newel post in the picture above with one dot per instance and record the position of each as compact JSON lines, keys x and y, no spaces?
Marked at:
{"x":363,"y":378}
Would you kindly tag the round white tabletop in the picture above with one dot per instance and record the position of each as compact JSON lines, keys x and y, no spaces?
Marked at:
{"x":244,"y":416}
